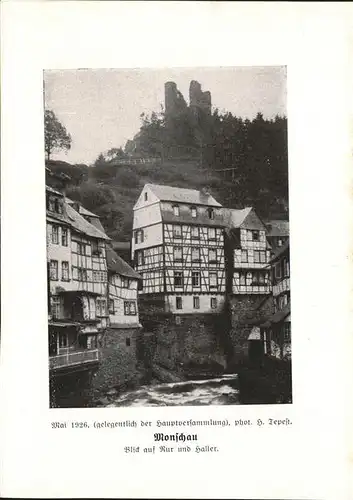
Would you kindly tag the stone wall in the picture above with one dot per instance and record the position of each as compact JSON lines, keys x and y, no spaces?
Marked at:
{"x":120,"y":364}
{"x":196,"y":340}
{"x":243,"y":308}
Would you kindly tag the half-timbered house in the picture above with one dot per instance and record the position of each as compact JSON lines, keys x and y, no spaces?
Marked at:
{"x":178,"y":248}
{"x":77,"y":287}
{"x":248,"y":274}
{"x":277,"y":233}
{"x":119,"y":353}
{"x":277,"y":328}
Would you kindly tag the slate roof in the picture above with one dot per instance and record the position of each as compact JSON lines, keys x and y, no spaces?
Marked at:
{"x":280,"y":251}
{"x":83,"y":210}
{"x":82,"y":225}
{"x":277,"y":228}
{"x":117,"y":265}
{"x":234,"y":218}
{"x":182,"y":195}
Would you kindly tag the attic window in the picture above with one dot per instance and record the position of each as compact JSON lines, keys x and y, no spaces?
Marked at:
{"x":176,"y":210}
{"x":210,"y":212}
{"x":255,"y":235}
{"x":146,"y":196}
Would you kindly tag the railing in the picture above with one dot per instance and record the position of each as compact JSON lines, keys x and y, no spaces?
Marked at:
{"x":73,"y":358}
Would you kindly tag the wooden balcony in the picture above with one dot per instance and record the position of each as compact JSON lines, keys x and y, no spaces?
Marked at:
{"x":74,"y":358}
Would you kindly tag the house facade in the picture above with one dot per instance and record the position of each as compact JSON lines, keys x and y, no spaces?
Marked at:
{"x":120,"y":358}
{"x":77,"y":287}
{"x":249,"y":278}
{"x":178,"y":249}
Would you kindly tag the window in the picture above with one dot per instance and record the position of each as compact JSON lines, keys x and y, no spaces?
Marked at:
{"x":259,"y":257}
{"x":139,"y":236}
{"x":263,"y":257}
{"x":212,"y":255}
{"x":242,"y":279}
{"x":210,"y":212}
{"x":81,"y":274}
{"x":51,"y":204}
{"x":140,"y":258}
{"x":99,"y":276}
{"x":55,"y":234}
{"x":65,"y":271}
{"x":278,"y":271}
{"x":130,"y":307}
{"x":255,"y":235}
{"x":63,"y":340}
{"x":244,"y":256}
{"x":176,"y":210}
{"x":146,"y":196}
{"x":56,"y":307}
{"x":178,"y":254}
{"x":177,"y":231}
{"x":81,"y":248}
{"x":195,"y":278}
{"x":211,"y":233}
{"x":195,"y":234}
{"x":64,"y":238}
{"x":196,"y":302}
{"x":125,"y":282}
{"x":111,"y":306}
{"x":286,"y":268}
{"x":280,"y":242}
{"x":179,"y":302}
{"x":53,"y":269}
{"x":213,"y":280}
{"x":92,"y":342}
{"x":128,"y":340}
{"x":95,"y":248}
{"x":177,"y":320}
{"x":178,"y":278}
{"x":193,"y":212}
{"x":101,"y":307}
{"x":213,"y":303}
{"x":195,"y":254}
{"x":286,"y":331}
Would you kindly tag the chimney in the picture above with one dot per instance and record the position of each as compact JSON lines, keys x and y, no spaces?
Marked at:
{"x":206,"y":191}
{"x":76,"y":206}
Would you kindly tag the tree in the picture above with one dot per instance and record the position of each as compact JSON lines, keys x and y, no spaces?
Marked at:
{"x":56,"y":136}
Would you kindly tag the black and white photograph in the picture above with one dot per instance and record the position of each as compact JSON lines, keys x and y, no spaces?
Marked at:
{"x":168,"y":244}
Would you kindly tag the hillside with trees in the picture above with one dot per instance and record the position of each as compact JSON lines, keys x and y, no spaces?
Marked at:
{"x":242,"y":162}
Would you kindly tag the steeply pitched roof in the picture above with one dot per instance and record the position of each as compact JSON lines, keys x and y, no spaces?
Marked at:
{"x":119,"y":266}
{"x":182,"y":195}
{"x":81,"y":225}
{"x":83,"y":210}
{"x":277,"y":228}
{"x":54,"y":191}
{"x":234,"y":218}
{"x":280,"y":251}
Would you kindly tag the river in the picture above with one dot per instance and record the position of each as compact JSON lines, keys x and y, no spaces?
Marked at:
{"x":217,"y":391}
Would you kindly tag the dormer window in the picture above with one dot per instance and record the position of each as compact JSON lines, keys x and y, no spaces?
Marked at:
{"x":176,"y":210}
{"x":193,"y":212}
{"x":210,"y":212}
{"x":146,"y":196}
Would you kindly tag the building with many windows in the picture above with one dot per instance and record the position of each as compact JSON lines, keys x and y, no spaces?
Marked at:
{"x":248,"y":274}
{"x":77,"y":282}
{"x":178,"y":249}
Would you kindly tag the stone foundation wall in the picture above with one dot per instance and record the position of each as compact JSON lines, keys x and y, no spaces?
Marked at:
{"x":119,"y":365}
{"x":243,"y":307}
{"x":196,"y":340}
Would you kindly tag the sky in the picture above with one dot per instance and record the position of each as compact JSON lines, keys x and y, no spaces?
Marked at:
{"x":101,"y":108}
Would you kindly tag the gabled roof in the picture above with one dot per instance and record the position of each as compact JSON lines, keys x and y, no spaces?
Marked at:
{"x":81,"y":225}
{"x":280,"y":251}
{"x":117,"y":265}
{"x":54,"y":191}
{"x":234,"y":218}
{"x":83,"y":210}
{"x":244,"y":218}
{"x":277,"y":228}
{"x":182,"y":195}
